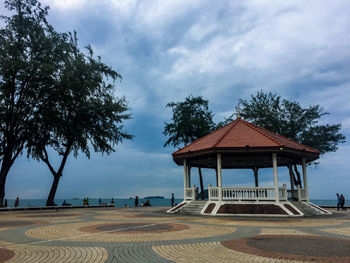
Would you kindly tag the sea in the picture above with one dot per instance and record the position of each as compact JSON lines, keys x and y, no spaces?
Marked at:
{"x":125,"y":202}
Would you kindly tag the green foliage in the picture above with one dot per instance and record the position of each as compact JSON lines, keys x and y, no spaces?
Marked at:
{"x":27,"y":65}
{"x":191,"y":120}
{"x":81,"y":108}
{"x":290,"y":119}
{"x":52,"y":95}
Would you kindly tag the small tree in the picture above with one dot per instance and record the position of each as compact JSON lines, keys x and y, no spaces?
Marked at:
{"x":80,"y":111}
{"x":290,"y":119}
{"x":191,"y":120}
{"x":28,"y":61}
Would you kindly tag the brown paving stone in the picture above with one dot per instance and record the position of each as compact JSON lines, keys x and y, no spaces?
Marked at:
{"x":250,"y":209}
{"x":14,"y":223}
{"x":124,"y":228}
{"x":303,"y":248}
{"x":51,"y":215}
{"x":178,"y":207}
{"x":290,"y":208}
{"x":5,"y":255}
{"x":209,"y":208}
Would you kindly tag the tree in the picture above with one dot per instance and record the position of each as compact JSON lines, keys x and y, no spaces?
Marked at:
{"x":191,"y":120}
{"x":290,"y":119}
{"x":27,"y":64}
{"x":80,"y":111}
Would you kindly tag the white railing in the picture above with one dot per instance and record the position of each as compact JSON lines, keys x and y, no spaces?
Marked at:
{"x":190,"y":193}
{"x":303,"y":195}
{"x":294,"y":194}
{"x":246,"y":193}
{"x":213,"y":193}
{"x":283,"y":193}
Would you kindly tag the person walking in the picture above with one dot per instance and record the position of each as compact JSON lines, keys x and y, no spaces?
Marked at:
{"x":342,"y":202}
{"x":17,"y":202}
{"x":172,"y":199}
{"x":338,"y":201}
{"x":100,"y":201}
{"x":112,"y":201}
{"x":136,"y":201}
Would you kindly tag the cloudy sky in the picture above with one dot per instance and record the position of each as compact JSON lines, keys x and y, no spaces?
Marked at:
{"x":221,"y":50}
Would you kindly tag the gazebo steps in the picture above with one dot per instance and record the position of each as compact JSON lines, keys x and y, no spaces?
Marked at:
{"x":193,"y":208}
{"x":310,"y":209}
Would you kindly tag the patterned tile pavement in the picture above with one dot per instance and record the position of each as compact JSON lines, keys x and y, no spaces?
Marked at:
{"x":151,"y":235}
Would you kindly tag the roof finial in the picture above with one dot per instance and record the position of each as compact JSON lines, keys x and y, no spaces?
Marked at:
{"x":238,"y":111}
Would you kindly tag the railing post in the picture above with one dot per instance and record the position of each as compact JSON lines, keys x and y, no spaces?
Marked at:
{"x":209,"y":192}
{"x":299,"y":193}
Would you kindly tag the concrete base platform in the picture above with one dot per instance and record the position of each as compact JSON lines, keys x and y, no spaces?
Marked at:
{"x":249,"y":208}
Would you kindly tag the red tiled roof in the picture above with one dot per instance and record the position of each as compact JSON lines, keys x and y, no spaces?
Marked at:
{"x":239,"y":134}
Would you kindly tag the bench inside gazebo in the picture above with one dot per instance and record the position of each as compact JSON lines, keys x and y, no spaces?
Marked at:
{"x":242,"y":145}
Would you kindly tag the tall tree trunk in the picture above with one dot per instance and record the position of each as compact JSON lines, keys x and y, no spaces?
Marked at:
{"x":51,"y":197}
{"x":255,"y":169}
{"x":297,"y":174}
{"x":201,"y":182}
{"x":291,"y":173}
{"x":56,"y":175}
{"x":5,"y":168}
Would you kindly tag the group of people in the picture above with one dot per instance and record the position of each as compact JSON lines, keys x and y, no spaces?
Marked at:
{"x":16,"y":202}
{"x":86,"y":201}
{"x":340,"y":202}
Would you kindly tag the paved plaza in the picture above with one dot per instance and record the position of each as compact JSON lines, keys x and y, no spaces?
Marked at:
{"x":151,"y":235}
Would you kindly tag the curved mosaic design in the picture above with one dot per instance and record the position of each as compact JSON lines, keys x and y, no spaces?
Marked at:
{"x":5,"y":255}
{"x":151,"y":235}
{"x":149,"y":232}
{"x":45,"y":254}
{"x":125,"y":228}
{"x":300,"y":248}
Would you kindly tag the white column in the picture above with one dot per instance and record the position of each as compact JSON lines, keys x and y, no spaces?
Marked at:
{"x":305,"y":180}
{"x":275,"y":179}
{"x":218,"y":158}
{"x":185,"y":178}
{"x":299,"y":193}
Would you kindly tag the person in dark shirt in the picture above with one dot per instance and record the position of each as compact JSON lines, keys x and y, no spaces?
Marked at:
{"x":136,"y":201}
{"x":172,"y":199}
{"x":17,"y":202}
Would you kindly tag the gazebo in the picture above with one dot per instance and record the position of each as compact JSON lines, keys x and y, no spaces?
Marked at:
{"x":242,"y":145}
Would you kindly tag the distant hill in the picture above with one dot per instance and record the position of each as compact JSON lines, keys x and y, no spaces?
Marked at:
{"x":154,"y":197}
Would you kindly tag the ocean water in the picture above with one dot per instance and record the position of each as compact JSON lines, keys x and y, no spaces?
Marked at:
{"x":92,"y":201}
{"x":123,"y":202}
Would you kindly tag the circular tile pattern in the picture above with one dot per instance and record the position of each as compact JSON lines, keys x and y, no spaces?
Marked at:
{"x":120,"y":228}
{"x":126,"y":231}
{"x":5,"y":255}
{"x":307,"y":248}
{"x":15,"y":223}
{"x":51,"y":215}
